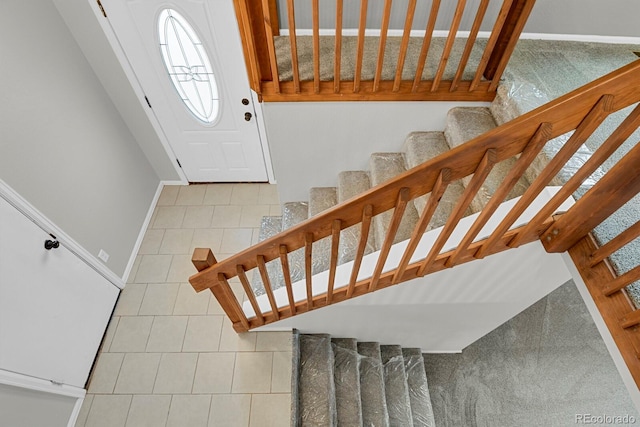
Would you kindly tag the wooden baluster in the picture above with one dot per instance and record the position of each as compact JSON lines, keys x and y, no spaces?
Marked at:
{"x":616,"y":243}
{"x":473,"y":34}
{"x":252,"y":297}
{"x":479,"y":176}
{"x":365,"y":228}
{"x":336,"y":226}
{"x":286,"y":272}
{"x":615,"y":140}
{"x":308,"y":258}
{"x":535,"y":144}
{"x":362,"y":26}
{"x":203,"y":259}
{"x":630,"y":320}
{"x":612,"y":191}
{"x":398,"y":212}
{"x":488,"y":50}
{"x":426,"y":44}
{"x":442,"y":182}
{"x":384,"y":28}
{"x":316,"y":45}
{"x":270,"y":45}
{"x":262,"y":268}
{"x":338,"y":48}
{"x":455,"y":23}
{"x":506,"y":43}
{"x":586,"y":127}
{"x":294,"y":45}
{"x":250,"y":46}
{"x":411,"y":10}
{"x":622,"y":281}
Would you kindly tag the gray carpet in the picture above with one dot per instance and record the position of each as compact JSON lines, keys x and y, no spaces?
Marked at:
{"x":541,"y":368}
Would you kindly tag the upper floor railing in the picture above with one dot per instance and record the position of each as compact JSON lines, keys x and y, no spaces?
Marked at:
{"x":378,"y":49}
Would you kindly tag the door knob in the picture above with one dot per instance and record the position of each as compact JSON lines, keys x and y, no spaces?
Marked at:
{"x":247,"y":116}
{"x":245,"y":101}
{"x":51,"y":244}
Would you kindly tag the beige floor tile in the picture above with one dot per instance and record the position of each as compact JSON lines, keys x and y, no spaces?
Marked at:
{"x":218,"y":194}
{"x":252,"y":373}
{"x":181,"y":269}
{"x":230,"y":410}
{"x":209,"y":238}
{"x":176,"y":241}
{"x":109,"y":334}
{"x":148,"y":411}
{"x":159,"y":299}
{"x":131,"y":276}
{"x":275,"y":210}
{"x":191,"y":302}
{"x":230,"y":340}
{"x":255,"y":237}
{"x":108,"y":411}
{"x":105,"y":373}
{"x":251,"y":215}
{"x":132,"y":334}
{"x":236,"y":239}
{"x":84,"y":411}
{"x":268,"y":194}
{"x":151,"y":242}
{"x":198,"y":217}
{"x":175,"y":374}
{"x":167,"y":334}
{"x":226,"y":216}
{"x":203,"y":334}
{"x":281,"y":372}
{"x":270,"y":410}
{"x":214,"y":305}
{"x":168,"y":195}
{"x":138,"y":373}
{"x":191,"y":195}
{"x":273,"y":341}
{"x":245,"y":194}
{"x":214,"y":373}
{"x":169,"y":217}
{"x":189,"y":411}
{"x":130,"y":299}
{"x":153,"y":268}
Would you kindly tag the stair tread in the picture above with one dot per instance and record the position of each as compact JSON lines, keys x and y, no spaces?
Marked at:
{"x":294,"y":213}
{"x":466,"y":123}
{"x":384,"y":167}
{"x":420,"y":399}
{"x":316,"y":392}
{"x":347,"y":381}
{"x":351,"y":184}
{"x":420,"y":147}
{"x":396,"y":390}
{"x":374,"y":406}
{"x":320,"y":199}
{"x":269,"y":227}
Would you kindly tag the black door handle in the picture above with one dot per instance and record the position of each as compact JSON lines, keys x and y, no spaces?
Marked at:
{"x":51,"y":244}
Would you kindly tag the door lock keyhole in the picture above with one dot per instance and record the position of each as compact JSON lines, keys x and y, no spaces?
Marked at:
{"x":247,"y":116}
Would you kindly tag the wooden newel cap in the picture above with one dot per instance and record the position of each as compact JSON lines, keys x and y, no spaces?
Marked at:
{"x":203,"y":258}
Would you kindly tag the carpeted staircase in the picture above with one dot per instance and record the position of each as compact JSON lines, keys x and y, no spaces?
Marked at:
{"x":343,"y":382}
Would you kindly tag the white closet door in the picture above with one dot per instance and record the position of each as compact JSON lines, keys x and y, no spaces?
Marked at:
{"x":54,"y":308}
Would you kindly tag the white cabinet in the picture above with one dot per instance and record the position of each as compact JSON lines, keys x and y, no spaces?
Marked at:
{"x":54,"y":307}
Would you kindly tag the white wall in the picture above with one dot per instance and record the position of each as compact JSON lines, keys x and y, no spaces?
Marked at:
{"x":311,"y":142}
{"x":63,"y":145}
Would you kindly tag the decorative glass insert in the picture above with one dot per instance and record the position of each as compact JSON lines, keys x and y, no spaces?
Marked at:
{"x":188,"y":65}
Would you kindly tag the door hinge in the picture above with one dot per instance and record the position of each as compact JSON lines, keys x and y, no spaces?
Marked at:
{"x":101,"y":8}
{"x":178,"y":161}
{"x":147,"y":99}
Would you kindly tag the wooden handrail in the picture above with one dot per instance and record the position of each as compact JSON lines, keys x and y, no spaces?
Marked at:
{"x":259,"y":25}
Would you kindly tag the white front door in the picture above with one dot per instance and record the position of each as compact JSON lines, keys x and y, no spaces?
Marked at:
{"x":54,"y":308}
{"x":228,"y":149}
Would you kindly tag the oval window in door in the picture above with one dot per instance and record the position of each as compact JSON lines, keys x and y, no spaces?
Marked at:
{"x":188,"y":66}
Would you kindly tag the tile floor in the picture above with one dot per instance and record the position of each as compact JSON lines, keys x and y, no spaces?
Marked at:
{"x":170,"y":358}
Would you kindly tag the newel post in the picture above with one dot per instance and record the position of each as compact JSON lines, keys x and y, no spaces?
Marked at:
{"x":203,"y":259}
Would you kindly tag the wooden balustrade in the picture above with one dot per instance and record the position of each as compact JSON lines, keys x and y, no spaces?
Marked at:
{"x":259,"y":25}
{"x":581,"y":111}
